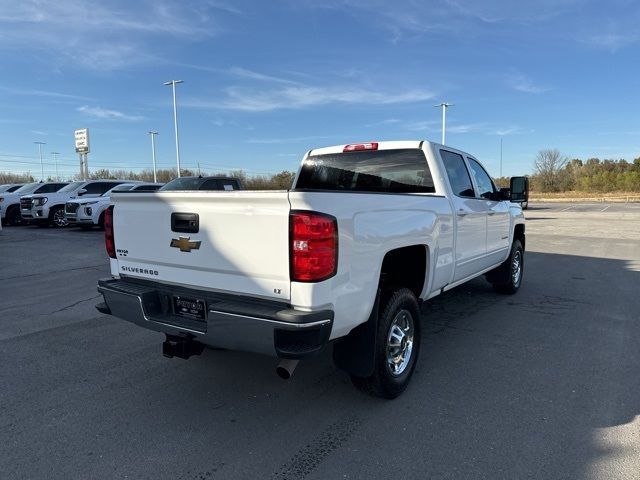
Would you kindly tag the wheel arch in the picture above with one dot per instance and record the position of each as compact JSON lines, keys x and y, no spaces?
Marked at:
{"x":406,"y":267}
{"x":518,"y":234}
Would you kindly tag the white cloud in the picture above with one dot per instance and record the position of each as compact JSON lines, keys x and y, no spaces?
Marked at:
{"x":104,"y":114}
{"x":302,"y":96}
{"x":612,"y":41}
{"x":101,"y":35}
{"x":506,"y":131}
{"x":268,"y":141}
{"x":250,"y":74}
{"x":522,"y":83}
{"x":296,"y":96}
{"x":41,"y":93}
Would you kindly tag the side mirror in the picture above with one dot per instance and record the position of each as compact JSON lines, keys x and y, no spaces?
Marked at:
{"x":82,"y":191}
{"x":519,"y":189}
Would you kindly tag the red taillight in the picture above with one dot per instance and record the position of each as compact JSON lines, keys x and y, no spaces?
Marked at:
{"x":109,"y":241}
{"x":313,"y":246}
{"x":360,"y":146}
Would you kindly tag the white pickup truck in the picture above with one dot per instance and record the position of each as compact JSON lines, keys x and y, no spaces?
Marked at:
{"x":367,"y":233}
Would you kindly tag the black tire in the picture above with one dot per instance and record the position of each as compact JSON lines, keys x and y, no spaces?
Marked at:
{"x":13,"y":216}
{"x":507,"y":278}
{"x":101,"y":221}
{"x":56,"y":217}
{"x":396,"y":307}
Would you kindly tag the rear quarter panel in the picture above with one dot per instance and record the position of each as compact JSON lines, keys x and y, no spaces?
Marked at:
{"x":369,"y":226}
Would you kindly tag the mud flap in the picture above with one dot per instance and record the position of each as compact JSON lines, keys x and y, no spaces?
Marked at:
{"x":355,"y":353}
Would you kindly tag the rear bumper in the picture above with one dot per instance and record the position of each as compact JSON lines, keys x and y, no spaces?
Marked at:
{"x":232,"y":321}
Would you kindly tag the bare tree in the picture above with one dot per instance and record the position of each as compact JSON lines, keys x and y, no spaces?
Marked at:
{"x":549,"y":167}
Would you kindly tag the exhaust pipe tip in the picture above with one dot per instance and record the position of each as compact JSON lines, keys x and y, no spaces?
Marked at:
{"x":286,"y":368}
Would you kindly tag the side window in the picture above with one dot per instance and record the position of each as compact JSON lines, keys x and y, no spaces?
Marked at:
{"x":93,"y":188}
{"x":485,"y":185}
{"x":44,"y":189}
{"x":457,"y":173}
{"x":98,"y":188}
{"x":146,"y":188}
{"x":228,"y":185}
{"x":209,"y":185}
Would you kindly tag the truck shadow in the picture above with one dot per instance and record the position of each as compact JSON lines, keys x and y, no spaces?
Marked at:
{"x":527,"y":385}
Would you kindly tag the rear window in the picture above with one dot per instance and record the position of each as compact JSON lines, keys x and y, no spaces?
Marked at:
{"x":387,"y":171}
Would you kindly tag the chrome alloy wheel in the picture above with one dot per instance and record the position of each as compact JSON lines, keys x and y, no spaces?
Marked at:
{"x":400,"y":343}
{"x":59,"y":219}
{"x":516,"y":268}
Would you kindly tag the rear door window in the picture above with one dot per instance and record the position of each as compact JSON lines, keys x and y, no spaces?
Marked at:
{"x":386,"y":171}
{"x":457,"y":173}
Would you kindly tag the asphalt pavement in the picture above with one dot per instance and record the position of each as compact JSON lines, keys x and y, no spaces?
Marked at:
{"x":542,"y":384}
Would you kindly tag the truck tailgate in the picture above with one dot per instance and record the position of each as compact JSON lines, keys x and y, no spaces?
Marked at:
{"x":243,"y":240}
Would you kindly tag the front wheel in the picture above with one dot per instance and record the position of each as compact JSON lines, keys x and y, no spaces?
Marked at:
{"x":507,"y":278}
{"x":13,"y":216}
{"x":397,"y":345}
{"x":57,"y":217}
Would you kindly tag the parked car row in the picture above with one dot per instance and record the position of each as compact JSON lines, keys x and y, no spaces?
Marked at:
{"x":83,"y":203}
{"x":45,"y":203}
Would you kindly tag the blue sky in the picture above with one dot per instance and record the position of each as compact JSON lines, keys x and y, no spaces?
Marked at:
{"x":266,"y":81}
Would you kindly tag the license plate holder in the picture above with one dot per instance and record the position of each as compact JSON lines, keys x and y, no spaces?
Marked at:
{"x":190,"y":308}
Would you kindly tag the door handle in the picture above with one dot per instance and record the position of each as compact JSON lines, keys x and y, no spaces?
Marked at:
{"x":462,"y":213}
{"x":492,"y":213}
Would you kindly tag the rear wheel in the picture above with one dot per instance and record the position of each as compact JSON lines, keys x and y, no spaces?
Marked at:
{"x":397,"y":345}
{"x":57,"y":218}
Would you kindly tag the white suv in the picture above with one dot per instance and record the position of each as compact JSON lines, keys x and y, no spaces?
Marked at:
{"x":89,"y":212}
{"x":48,"y":209}
{"x":10,"y":200}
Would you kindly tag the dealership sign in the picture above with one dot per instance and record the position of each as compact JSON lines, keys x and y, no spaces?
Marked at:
{"x":82,"y":140}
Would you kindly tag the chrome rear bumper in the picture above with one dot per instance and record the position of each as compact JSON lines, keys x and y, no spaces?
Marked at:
{"x":231,"y":321}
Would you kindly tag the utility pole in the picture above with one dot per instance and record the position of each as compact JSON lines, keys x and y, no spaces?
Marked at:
{"x":175,"y":119}
{"x":444,"y":106}
{"x":153,"y":154}
{"x":55,"y":159}
{"x":41,"y":164}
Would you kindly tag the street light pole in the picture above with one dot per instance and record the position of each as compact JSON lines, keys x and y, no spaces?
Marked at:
{"x":41,"y":164}
{"x":55,"y":159}
{"x":444,"y":106}
{"x":175,"y":119}
{"x":153,"y":154}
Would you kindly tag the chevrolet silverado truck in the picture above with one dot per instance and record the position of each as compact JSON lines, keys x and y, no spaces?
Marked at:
{"x":345,"y":257}
{"x":89,"y":212}
{"x":48,"y":209}
{"x":10,"y":200}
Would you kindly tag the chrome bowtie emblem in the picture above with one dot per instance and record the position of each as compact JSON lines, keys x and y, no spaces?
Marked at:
{"x":185,"y":244}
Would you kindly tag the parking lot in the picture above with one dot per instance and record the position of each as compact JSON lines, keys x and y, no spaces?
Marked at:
{"x":543,"y":384}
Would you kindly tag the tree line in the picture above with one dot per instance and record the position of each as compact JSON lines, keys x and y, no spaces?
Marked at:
{"x":553,"y":172}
